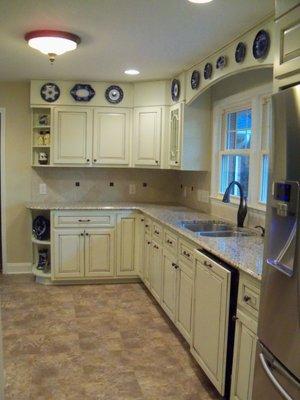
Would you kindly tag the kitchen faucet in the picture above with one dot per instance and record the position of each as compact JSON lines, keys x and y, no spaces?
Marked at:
{"x":242,"y":211}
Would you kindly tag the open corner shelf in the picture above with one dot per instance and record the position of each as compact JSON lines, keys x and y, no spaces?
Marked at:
{"x":42,"y":242}
{"x":40,"y":273}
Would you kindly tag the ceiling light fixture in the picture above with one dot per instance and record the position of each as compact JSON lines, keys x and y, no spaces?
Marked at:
{"x":52,"y":43}
{"x":132,"y":72}
{"x":200,"y":1}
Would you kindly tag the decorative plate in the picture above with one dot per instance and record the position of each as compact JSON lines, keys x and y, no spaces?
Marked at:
{"x":261,"y":44}
{"x":195,"y":79}
{"x":82,"y":92}
{"x":175,"y":89}
{"x":50,"y":92}
{"x":114,"y":94}
{"x":240,"y":52}
{"x":221,"y":62}
{"x":208,"y":71}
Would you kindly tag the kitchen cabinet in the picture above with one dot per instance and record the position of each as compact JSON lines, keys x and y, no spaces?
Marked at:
{"x":72,"y":135}
{"x":147,"y":260}
{"x":99,"y":252}
{"x":127,"y":250}
{"x":210,"y":319}
{"x":175,"y":135}
{"x":111,"y":136}
{"x":168,"y":298}
{"x":69,"y":253}
{"x":147,"y":136}
{"x":244,"y":357}
{"x":184,"y":300}
{"x":155,"y":272}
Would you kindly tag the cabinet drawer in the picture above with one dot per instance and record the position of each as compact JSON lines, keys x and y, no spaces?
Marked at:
{"x":89,"y":219}
{"x":170,"y":241}
{"x":186,"y":252}
{"x":157,"y":231}
{"x":248,"y":296}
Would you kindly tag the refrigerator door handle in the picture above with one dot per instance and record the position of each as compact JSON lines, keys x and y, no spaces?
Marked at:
{"x":273,"y":379}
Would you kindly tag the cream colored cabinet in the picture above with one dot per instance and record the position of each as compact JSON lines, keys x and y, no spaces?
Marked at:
{"x":99,"y":252}
{"x":127,"y":250}
{"x":244,"y":357}
{"x":175,"y":135}
{"x":184,"y":298}
{"x":72,"y":135}
{"x":147,"y":136}
{"x":147,"y":260}
{"x":156,"y":270}
{"x":168,"y":298}
{"x":68,"y":253}
{"x":210,"y":319}
{"x":111,"y":136}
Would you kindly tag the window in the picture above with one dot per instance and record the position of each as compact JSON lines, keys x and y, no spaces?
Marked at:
{"x":241,"y":137}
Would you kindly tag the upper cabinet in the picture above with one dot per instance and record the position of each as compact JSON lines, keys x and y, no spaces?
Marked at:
{"x":287,"y":48}
{"x":189,"y":135}
{"x":72,"y":135}
{"x":147,"y":136}
{"x":111,"y":136}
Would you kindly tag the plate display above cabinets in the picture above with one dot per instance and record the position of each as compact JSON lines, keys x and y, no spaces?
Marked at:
{"x":221,"y":62}
{"x":50,"y":92}
{"x":82,"y":92}
{"x":114,"y":94}
{"x":195,"y":79}
{"x":240,"y":52}
{"x":261,"y":44}
{"x":208,"y":71}
{"x":175,"y":89}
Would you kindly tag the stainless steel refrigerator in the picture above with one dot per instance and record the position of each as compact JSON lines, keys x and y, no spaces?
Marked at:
{"x":277,"y":366}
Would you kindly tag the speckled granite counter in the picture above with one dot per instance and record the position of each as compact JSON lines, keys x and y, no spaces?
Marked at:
{"x":244,"y":253}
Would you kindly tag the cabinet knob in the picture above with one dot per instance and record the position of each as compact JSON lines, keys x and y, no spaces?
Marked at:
{"x":146,"y":226}
{"x":234,"y":318}
{"x":142,"y":220}
{"x":87,"y":160}
{"x":176,"y":266}
{"x":247,"y":298}
{"x":207,"y":264}
{"x":86,"y":234}
{"x":95,"y":160}
{"x":81,"y":234}
{"x":176,"y":162}
{"x":156,"y":161}
{"x":148,"y":242}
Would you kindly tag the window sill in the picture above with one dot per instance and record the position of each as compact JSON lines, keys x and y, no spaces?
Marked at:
{"x":234,"y":202}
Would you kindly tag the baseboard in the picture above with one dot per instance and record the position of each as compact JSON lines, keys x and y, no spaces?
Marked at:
{"x":18,"y":268}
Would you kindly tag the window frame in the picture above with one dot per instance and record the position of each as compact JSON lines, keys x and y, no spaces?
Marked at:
{"x":252,"y":99}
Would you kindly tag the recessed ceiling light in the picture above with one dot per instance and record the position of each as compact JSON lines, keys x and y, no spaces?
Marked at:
{"x":132,"y":72}
{"x":52,"y":43}
{"x":200,"y":1}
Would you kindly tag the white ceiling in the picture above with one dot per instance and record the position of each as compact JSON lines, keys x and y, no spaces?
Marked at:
{"x":158,"y":37}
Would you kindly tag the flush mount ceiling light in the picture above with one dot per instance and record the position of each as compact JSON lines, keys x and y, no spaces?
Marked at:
{"x":200,"y":1}
{"x":132,"y":72}
{"x":52,"y":43}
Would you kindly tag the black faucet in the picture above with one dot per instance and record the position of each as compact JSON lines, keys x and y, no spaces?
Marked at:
{"x":242,"y":212}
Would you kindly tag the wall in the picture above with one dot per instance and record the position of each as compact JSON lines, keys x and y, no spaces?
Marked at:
{"x":14,"y":97}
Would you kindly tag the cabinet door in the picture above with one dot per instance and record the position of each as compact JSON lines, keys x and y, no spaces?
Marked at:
{"x":156,"y":271}
{"x":68,"y":253}
{"x":99,"y":252}
{"x":168,"y":301}
{"x":185,"y":287}
{"x":210,"y":320}
{"x":243,"y":358}
{"x":147,"y":260}
{"x":111,"y":136}
{"x":72,"y":135}
{"x":175,"y":136}
{"x":147,"y":136}
{"x":126,"y":245}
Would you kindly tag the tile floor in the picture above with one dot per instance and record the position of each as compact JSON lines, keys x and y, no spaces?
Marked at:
{"x":93,"y":342}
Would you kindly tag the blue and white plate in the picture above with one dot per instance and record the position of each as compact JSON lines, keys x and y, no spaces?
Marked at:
{"x":195,"y":79}
{"x":208,"y":71}
{"x":82,"y":92}
{"x":114,"y":94}
{"x":240,"y":52}
{"x":50,"y":92}
{"x":261,"y":44}
{"x":175,"y":89}
{"x":221,"y":62}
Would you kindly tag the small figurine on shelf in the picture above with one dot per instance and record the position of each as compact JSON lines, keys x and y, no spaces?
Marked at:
{"x":43,"y":158}
{"x":46,"y":138}
{"x":41,"y":228}
{"x":44,"y":119}
{"x":43,"y":262}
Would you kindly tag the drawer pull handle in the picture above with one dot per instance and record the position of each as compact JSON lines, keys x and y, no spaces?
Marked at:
{"x":169,"y":242}
{"x":156,"y":232}
{"x":186,"y":254}
{"x":84,"y":220}
{"x":88,"y":160}
{"x":247,"y":298}
{"x":95,"y":160}
{"x":176,"y":266}
{"x":207,"y":264}
{"x":82,"y":234}
{"x":148,"y":242}
{"x":142,"y":220}
{"x":146,"y":226}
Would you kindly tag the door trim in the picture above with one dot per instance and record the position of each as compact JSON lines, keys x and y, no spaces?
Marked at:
{"x":3,"y":198}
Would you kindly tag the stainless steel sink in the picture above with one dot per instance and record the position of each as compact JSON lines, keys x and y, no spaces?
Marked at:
{"x":205,"y":226}
{"x":232,"y":233}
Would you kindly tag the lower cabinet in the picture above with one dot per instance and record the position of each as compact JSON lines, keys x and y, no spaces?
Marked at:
{"x":147,"y":260}
{"x":127,"y":252}
{"x":184,"y":299}
{"x":168,"y":299}
{"x":210,"y":320}
{"x":155,"y":272}
{"x":244,"y":357}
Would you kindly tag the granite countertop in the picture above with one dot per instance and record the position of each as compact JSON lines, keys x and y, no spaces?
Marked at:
{"x":244,"y":253}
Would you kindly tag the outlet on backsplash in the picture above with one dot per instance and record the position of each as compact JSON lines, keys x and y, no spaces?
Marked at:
{"x":43,"y":188}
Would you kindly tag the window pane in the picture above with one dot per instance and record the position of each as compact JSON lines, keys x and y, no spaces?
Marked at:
{"x":266,"y":123}
{"x":264,"y":179}
{"x":235,"y":168}
{"x":239,"y":129}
